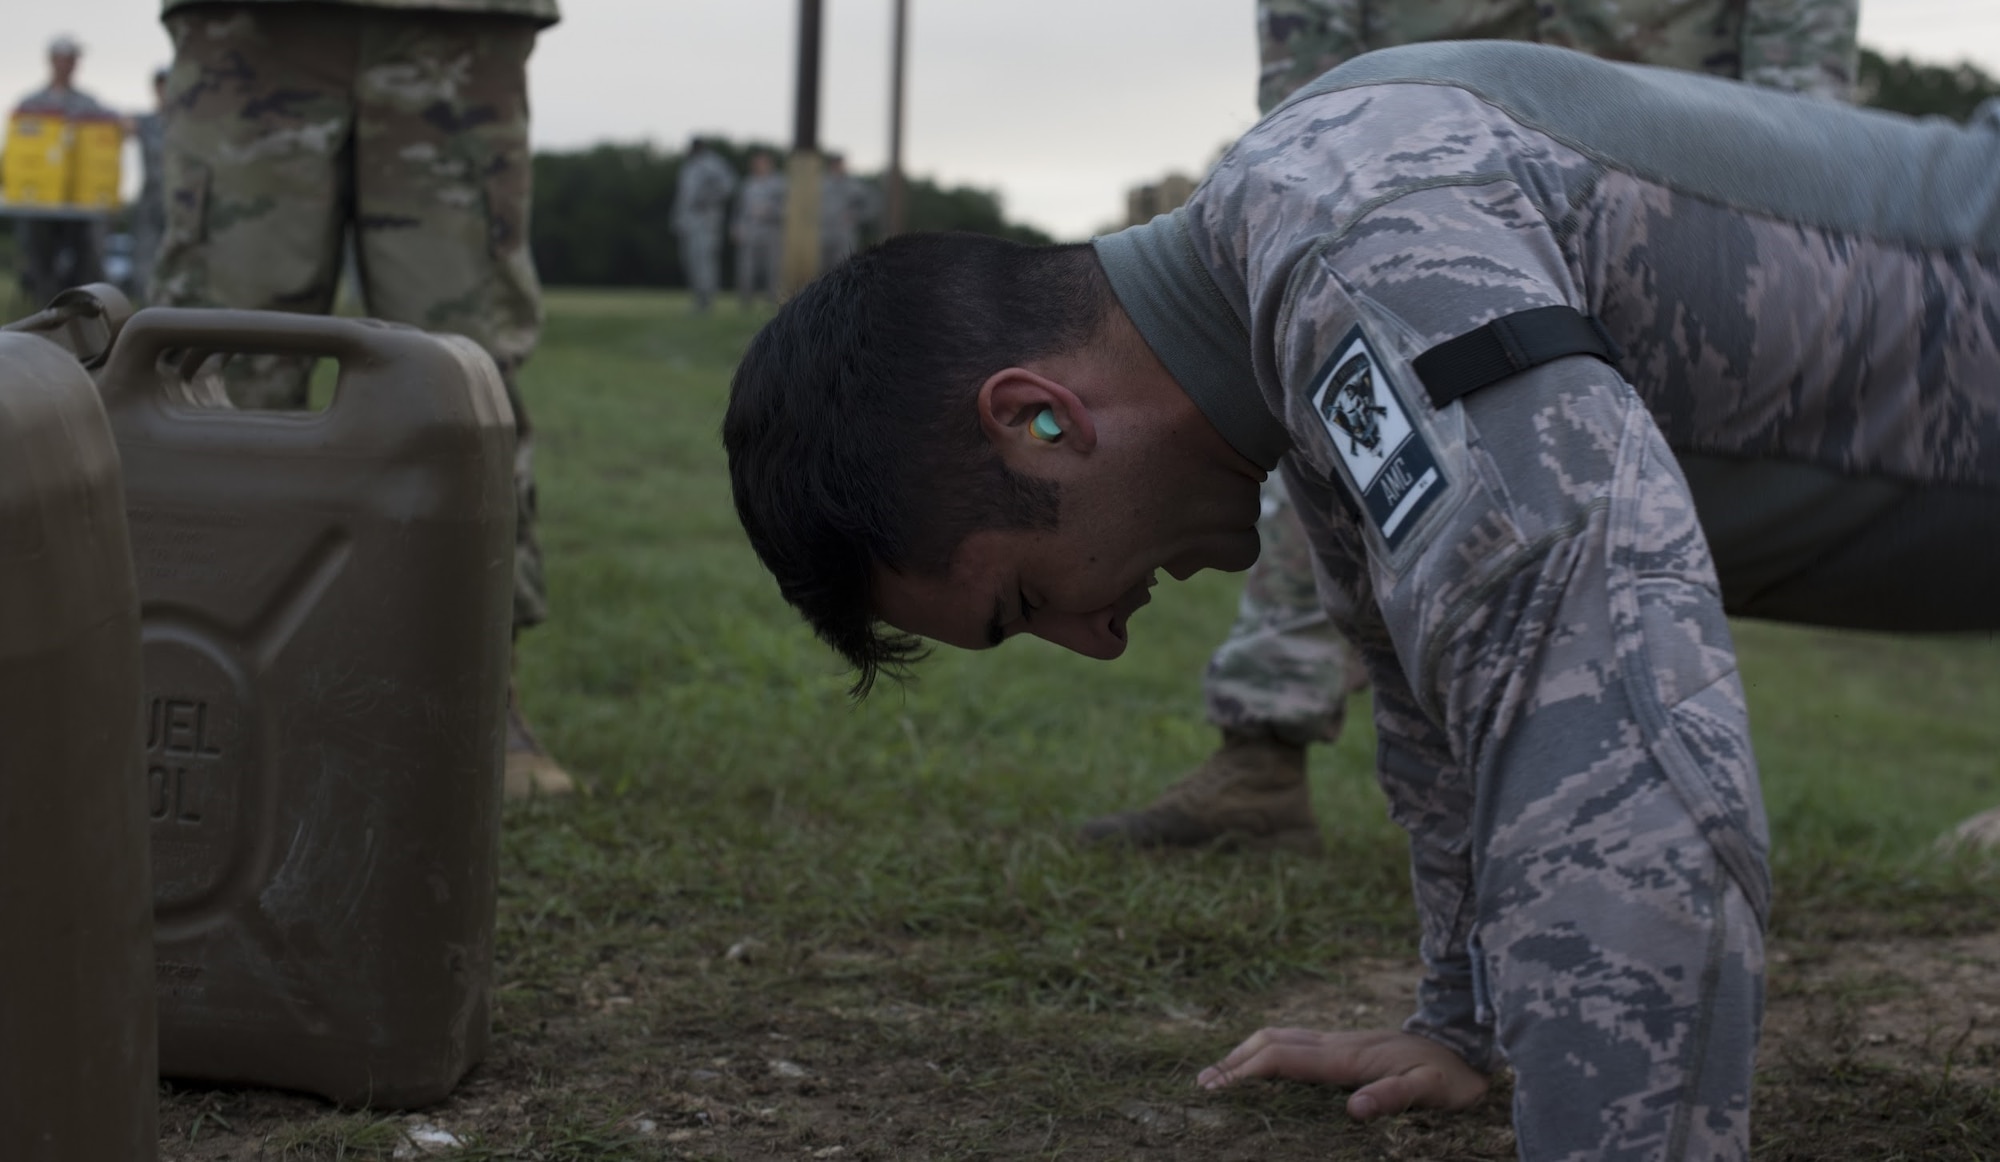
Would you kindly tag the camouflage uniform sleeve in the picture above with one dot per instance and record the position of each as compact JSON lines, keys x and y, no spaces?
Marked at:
{"x":1562,"y":727}
{"x":1298,"y":40}
{"x":1806,"y":46}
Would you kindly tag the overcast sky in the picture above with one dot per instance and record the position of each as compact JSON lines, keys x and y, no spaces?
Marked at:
{"x":1058,"y":104}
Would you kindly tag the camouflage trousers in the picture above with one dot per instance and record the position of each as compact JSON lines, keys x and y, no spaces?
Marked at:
{"x":294,"y":128}
{"x":701,"y":254}
{"x":1806,"y":46}
{"x":58,"y":253}
{"x":758,"y":254}
{"x":1284,"y":670}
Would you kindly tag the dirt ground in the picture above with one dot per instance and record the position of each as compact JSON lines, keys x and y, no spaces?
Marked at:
{"x":1911,"y":1027}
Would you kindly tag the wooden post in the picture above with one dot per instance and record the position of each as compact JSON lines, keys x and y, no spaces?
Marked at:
{"x":893,"y":220}
{"x":802,"y":169}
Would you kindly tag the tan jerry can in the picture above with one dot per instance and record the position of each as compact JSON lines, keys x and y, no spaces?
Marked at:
{"x":325,"y":605}
{"x":78,"y":1081}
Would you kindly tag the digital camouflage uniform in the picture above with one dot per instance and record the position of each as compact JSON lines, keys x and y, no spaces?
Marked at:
{"x":291,"y":125}
{"x":1805,"y":305}
{"x":845,"y":203}
{"x":759,"y":230}
{"x":701,"y":200}
{"x":1281,"y":669}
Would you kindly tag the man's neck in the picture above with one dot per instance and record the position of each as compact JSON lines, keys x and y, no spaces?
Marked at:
{"x":1174,"y":305}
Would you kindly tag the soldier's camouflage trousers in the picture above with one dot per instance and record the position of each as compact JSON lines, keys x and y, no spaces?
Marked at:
{"x":757,"y":264}
{"x":1283,"y":669}
{"x":1806,"y":46}
{"x":701,"y":254}
{"x":294,"y":127}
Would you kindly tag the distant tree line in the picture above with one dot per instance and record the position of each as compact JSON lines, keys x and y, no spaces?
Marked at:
{"x":602,"y":214}
{"x":1904,"y":86}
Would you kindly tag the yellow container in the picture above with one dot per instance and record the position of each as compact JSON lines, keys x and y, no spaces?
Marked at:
{"x":37,"y":159}
{"x":94,"y":161}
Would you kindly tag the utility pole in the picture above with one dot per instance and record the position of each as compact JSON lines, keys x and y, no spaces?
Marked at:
{"x":801,"y":263}
{"x":894,"y":222}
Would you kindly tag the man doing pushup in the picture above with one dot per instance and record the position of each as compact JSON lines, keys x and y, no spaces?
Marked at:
{"x":1619,"y":349}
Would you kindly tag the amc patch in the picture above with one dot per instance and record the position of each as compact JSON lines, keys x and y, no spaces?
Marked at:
{"x":1392,"y":467}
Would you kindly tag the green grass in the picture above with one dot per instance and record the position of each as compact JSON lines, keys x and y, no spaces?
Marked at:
{"x":888,"y":894}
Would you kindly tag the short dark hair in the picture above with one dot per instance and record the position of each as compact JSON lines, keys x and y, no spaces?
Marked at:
{"x":852,"y":431}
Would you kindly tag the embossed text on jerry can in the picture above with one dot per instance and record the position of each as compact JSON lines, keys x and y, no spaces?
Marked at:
{"x":77,"y":1059}
{"x":325,"y":604}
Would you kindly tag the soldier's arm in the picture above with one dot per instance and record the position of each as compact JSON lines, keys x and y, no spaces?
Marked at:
{"x":1562,"y":728}
{"x":1806,"y":46}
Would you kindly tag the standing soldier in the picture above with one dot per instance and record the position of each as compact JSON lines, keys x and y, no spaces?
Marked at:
{"x":402,"y":123}
{"x":701,"y":199}
{"x":845,"y":203}
{"x":59,"y":252}
{"x":149,"y":213}
{"x":1280,"y":681}
{"x":758,"y":230}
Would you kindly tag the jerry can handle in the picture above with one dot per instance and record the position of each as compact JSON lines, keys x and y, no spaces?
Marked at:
{"x":201,"y":333}
{"x":83,"y":320}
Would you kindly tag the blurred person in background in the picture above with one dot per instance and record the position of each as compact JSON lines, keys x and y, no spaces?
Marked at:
{"x":401,"y":124}
{"x":1280,"y":681}
{"x":60,"y":252}
{"x":701,"y":201}
{"x":846,"y":203}
{"x":149,"y":212}
{"x":758,"y":229}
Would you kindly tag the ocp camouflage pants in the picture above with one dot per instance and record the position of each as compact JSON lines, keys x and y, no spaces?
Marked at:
{"x":1283,"y":670}
{"x":293,"y":127}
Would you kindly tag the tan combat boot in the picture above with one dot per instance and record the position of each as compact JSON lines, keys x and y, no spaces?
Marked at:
{"x":530,"y":769}
{"x":1252,"y":791}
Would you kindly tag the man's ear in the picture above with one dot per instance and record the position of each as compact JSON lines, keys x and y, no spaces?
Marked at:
{"x":1012,"y":398}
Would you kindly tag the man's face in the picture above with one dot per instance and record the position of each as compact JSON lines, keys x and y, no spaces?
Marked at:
{"x":1079,"y":584}
{"x":62,"y":67}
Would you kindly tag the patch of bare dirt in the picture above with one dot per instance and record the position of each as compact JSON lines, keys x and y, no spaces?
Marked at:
{"x":1905,"y":1005}
{"x":618,"y":1071}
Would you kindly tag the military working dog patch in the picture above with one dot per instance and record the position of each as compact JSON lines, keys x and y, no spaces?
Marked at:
{"x":1392,"y":467}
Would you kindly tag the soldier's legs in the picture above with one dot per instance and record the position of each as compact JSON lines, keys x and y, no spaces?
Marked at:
{"x":1279,"y":682}
{"x":1282,"y":670}
{"x":441,"y":173}
{"x":441,"y":178}
{"x":701,"y":253}
{"x":768,"y":248}
{"x":257,"y":177}
{"x":746,"y":271}
{"x":38,"y":246}
{"x":57,"y":254}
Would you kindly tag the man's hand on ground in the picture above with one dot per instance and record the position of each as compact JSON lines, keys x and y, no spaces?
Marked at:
{"x":1395,"y":1071}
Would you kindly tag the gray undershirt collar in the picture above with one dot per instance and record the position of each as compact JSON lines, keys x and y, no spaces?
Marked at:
{"x":1170,"y":297}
